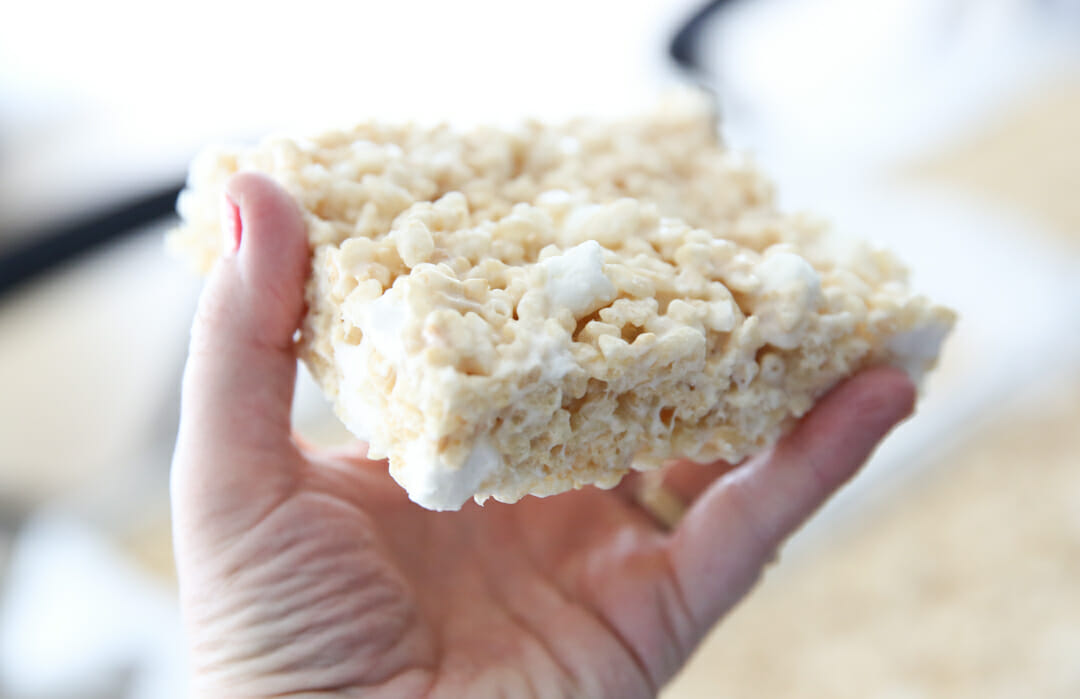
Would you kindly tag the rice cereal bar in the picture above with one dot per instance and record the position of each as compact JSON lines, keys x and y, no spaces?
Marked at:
{"x":529,"y":311}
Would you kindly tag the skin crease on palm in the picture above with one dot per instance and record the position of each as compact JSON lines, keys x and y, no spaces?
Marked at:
{"x":307,"y":573}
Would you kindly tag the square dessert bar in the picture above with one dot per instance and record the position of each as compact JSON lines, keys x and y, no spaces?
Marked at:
{"x":506,"y":312}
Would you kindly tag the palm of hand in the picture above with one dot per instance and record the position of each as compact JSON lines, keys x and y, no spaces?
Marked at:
{"x":312,"y":573}
{"x":343,"y":584}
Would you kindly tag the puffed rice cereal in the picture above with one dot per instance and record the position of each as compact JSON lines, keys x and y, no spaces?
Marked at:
{"x":529,"y":311}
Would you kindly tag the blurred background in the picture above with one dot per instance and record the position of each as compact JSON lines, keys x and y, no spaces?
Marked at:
{"x":948,"y":130}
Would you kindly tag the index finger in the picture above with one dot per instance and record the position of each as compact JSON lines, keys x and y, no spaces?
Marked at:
{"x":734,"y":528}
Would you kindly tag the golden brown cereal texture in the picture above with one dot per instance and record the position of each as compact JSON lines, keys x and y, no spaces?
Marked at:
{"x":529,"y":311}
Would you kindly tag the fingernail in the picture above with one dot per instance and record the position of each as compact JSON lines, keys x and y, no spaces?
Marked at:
{"x":231,"y":225}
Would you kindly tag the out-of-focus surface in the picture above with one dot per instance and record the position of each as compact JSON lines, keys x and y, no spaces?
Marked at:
{"x":964,"y":582}
{"x":963,"y":585}
{"x":945,"y":571}
{"x":1026,"y":159}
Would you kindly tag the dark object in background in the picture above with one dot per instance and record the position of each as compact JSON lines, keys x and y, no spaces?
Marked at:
{"x":42,"y":251}
{"x":685,"y":46}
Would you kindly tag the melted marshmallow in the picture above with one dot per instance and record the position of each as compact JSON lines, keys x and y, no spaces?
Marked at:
{"x":576,"y":280}
{"x":436,"y":485}
{"x":791,"y":291}
{"x":915,"y":350}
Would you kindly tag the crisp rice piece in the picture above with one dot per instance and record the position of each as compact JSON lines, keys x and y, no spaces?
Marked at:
{"x":530,"y":311}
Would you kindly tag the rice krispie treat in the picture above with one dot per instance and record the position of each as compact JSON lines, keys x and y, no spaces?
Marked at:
{"x":529,"y":311}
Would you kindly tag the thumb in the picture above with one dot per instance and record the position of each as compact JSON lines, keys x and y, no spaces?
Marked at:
{"x":241,"y":368}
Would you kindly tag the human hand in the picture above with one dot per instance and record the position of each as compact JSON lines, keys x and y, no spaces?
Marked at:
{"x":310,"y":573}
